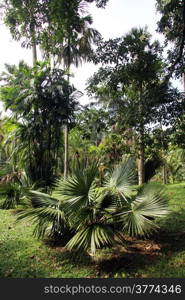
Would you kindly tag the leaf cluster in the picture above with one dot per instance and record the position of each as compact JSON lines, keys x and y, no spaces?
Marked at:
{"x":97,"y":213}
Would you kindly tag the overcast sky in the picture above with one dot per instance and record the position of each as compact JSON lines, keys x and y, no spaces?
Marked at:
{"x":115,"y":20}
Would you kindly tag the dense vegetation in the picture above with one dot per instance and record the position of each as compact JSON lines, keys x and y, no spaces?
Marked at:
{"x":91,"y":179}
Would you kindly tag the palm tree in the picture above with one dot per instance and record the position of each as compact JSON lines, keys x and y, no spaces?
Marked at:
{"x":14,"y":184}
{"x":77,"y":48}
{"x":61,"y":28}
{"x":70,"y":42}
{"x":97,"y":214}
{"x":40,"y":111}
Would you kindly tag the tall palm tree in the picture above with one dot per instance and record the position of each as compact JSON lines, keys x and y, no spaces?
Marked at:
{"x":76,"y":50}
{"x":70,"y":42}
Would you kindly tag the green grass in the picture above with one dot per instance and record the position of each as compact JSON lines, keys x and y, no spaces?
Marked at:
{"x":163,"y":255}
{"x":23,"y":256}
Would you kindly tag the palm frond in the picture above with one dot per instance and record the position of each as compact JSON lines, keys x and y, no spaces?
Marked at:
{"x":120,"y":180}
{"x":39,"y":199}
{"x":76,"y":190}
{"x":149,"y":204}
{"x":152,"y":201}
{"x":47,"y":214}
{"x":105,"y":201}
{"x":92,"y":237}
{"x":44,"y":218}
{"x":89,"y":213}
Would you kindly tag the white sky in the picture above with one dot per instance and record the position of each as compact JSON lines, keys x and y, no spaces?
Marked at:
{"x":115,"y":20}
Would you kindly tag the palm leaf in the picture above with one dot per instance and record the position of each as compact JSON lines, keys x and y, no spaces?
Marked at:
{"x":120,"y":180}
{"x":39,"y":199}
{"x":43,"y":218}
{"x":47,"y":214}
{"x":152,"y":201}
{"x":149,"y":204}
{"x":76,"y":190}
{"x":92,"y":237}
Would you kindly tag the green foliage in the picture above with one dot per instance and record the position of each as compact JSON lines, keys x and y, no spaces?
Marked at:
{"x":61,"y":27}
{"x":173,"y":165}
{"x":93,"y":123}
{"x":78,"y":146}
{"x":97,"y":213}
{"x":120,"y":180}
{"x":172,"y":26}
{"x":130,"y":82}
{"x":131,"y":86}
{"x":14,"y":186}
{"x":42,"y":101}
{"x":47,"y":211}
{"x":99,"y":3}
{"x":149,"y":204}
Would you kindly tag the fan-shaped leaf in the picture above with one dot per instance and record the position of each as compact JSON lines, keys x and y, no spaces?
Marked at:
{"x":121,"y":179}
{"x":149,"y":204}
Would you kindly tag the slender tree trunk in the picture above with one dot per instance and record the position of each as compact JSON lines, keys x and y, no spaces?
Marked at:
{"x":141,"y":165}
{"x":34,"y":52}
{"x":38,"y":155}
{"x":183,"y":78}
{"x":141,"y":162}
{"x":164,"y":175}
{"x":66,"y":139}
{"x":66,"y":146}
{"x":164,"y":171}
{"x":34,"y":46}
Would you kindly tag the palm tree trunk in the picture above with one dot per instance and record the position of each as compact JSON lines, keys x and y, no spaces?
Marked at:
{"x":34,"y":46}
{"x":141,"y":165}
{"x":141,"y":162}
{"x":66,"y":138}
{"x":164,"y":175}
{"x":66,"y":146}
{"x":34,"y":52}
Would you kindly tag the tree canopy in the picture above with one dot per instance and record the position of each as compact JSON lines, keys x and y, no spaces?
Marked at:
{"x":172,"y":26}
{"x":131,"y":84}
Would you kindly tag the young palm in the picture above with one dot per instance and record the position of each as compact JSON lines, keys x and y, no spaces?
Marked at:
{"x":97,"y":214}
{"x":14,"y":185}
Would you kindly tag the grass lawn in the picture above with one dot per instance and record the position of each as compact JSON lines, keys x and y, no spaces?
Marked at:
{"x":23,"y":256}
{"x":163,"y":255}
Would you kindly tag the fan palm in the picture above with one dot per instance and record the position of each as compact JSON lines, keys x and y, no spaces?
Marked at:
{"x":97,"y":214}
